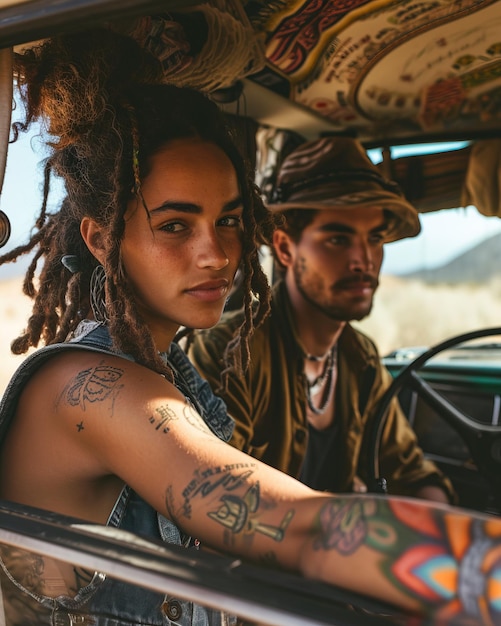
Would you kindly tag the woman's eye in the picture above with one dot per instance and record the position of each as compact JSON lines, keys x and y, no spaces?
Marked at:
{"x":233,"y":221}
{"x":173,"y":227}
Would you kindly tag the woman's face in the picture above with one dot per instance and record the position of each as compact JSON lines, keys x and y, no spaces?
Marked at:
{"x":182,"y":260}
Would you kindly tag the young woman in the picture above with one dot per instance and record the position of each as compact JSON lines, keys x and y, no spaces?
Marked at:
{"x":110,"y":423}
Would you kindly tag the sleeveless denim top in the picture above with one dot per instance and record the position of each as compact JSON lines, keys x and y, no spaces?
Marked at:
{"x":105,"y":601}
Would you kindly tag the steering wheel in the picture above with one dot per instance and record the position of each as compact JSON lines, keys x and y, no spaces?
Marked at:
{"x":482,"y":440}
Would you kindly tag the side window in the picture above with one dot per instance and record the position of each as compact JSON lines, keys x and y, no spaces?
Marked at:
{"x":444,"y":282}
{"x":20,"y":200}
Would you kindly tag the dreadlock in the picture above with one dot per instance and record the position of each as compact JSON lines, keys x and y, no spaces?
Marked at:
{"x":104,"y":109}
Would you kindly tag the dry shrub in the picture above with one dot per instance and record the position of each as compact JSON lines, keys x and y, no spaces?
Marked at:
{"x":412,"y":313}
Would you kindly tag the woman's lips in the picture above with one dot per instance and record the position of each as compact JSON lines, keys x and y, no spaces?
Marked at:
{"x":210,"y":291}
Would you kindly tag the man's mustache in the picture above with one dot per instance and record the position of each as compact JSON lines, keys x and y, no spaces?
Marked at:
{"x":350,"y":281}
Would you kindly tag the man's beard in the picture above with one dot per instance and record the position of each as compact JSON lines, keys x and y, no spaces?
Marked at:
{"x":323,"y":298}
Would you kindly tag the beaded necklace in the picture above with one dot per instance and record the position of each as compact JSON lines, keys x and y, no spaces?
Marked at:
{"x":326,"y":377}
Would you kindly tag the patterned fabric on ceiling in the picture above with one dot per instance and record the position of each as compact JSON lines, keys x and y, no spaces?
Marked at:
{"x":421,"y":64}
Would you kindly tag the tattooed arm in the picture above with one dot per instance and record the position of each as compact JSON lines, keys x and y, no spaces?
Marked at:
{"x":133,"y":424}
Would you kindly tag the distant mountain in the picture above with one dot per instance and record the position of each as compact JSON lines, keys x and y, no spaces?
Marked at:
{"x":477,"y":265}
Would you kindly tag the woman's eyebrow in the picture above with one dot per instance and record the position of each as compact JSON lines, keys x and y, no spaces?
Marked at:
{"x":233,"y":204}
{"x":190,"y":207}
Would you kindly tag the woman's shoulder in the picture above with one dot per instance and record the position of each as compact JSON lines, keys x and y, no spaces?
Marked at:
{"x":80,"y":362}
{"x":74,"y":376}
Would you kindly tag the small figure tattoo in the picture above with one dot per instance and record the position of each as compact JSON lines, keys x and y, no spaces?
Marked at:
{"x":238,"y":515}
{"x":164,"y":416}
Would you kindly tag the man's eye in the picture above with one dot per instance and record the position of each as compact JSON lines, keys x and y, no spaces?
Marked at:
{"x":338,"y":240}
{"x":376,"y":239}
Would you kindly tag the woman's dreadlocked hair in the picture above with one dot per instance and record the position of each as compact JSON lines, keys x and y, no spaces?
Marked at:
{"x":100,"y":98}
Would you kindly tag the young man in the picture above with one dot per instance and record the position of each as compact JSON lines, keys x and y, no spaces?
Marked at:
{"x":307,"y":401}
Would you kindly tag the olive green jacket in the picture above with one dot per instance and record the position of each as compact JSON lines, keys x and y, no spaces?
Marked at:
{"x":268,"y":403}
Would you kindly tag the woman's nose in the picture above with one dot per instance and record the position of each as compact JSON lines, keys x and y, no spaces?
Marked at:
{"x":211,"y":252}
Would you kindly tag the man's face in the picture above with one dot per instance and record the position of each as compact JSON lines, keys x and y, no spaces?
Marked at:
{"x":335,"y":265}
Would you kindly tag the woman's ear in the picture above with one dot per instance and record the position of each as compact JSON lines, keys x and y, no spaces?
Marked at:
{"x":92,"y":234}
{"x":284,"y":247}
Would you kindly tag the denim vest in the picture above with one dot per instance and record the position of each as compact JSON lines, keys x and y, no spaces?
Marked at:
{"x":105,"y":601}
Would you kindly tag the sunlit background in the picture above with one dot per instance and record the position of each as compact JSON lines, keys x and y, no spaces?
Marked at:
{"x":408,"y":310}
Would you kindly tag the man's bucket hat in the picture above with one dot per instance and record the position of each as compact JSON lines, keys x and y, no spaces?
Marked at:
{"x":336,"y":173}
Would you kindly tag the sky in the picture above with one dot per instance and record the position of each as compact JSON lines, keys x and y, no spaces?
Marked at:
{"x":445,"y":234}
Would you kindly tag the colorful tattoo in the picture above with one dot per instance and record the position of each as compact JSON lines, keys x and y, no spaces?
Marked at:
{"x":463,"y":576}
{"x":450,"y":560}
{"x":344,"y":525}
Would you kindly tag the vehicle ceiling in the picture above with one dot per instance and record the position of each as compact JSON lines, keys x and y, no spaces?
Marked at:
{"x":389,"y":72}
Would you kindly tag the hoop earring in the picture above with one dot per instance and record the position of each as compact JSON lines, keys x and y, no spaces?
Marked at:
{"x":97,"y":295}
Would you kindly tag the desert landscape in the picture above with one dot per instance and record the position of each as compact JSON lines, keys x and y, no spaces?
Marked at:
{"x":415,"y":313}
{"x":15,"y":309}
{"x":407,"y":312}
